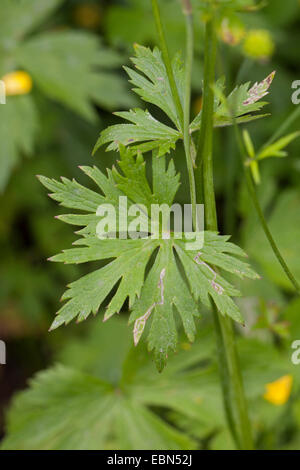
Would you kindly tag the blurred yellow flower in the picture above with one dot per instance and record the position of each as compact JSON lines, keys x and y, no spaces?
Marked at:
{"x":231,"y":31}
{"x":17,"y":83}
{"x":259,"y":44}
{"x":278,"y":392}
{"x":87,"y":15}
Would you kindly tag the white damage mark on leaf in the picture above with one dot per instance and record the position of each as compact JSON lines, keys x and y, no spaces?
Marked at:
{"x":140,"y":323}
{"x":161,"y":286}
{"x":149,"y":116}
{"x":217,"y":287}
{"x":259,"y":90}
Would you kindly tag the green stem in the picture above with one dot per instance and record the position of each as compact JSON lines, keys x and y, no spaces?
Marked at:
{"x":251,"y":189}
{"x":285,"y":125}
{"x":167,"y":61}
{"x":187,"y":108}
{"x":243,"y":422}
{"x":233,"y":392}
{"x":253,"y":195}
{"x":204,"y":147}
{"x":225,"y":376}
{"x":230,"y":182}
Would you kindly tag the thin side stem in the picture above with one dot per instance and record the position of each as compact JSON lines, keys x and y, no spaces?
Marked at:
{"x":232,"y":384}
{"x":253,"y":195}
{"x":251,"y":189}
{"x":167,"y":61}
{"x":284,"y":126}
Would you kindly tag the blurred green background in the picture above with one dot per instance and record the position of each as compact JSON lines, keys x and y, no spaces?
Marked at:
{"x":62,"y":62}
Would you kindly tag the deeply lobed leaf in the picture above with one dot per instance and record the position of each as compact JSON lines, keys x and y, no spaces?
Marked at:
{"x":146,"y":133}
{"x":159,"y":276}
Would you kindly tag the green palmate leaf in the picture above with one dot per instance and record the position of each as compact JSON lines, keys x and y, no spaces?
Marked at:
{"x":164,"y":289}
{"x":144,"y":128}
{"x":76,"y":80}
{"x":165,"y":180}
{"x":153,"y":84}
{"x":23,"y":16}
{"x":113,"y":403}
{"x":87,"y":294}
{"x":239,"y":105}
{"x":49,"y":57}
{"x":145,"y":133}
{"x":134,"y":184}
{"x":18,"y":128}
{"x":67,"y":409}
{"x":110,"y":403}
{"x":178,"y":275}
{"x":243,"y":100}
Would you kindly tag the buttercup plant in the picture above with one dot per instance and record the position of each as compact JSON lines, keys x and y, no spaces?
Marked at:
{"x":160,"y":277}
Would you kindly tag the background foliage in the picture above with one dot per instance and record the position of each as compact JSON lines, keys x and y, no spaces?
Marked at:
{"x":90,"y":376}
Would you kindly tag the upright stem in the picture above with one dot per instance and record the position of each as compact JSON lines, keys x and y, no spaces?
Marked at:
{"x":187,"y":10}
{"x":167,"y":61}
{"x":224,"y":376}
{"x":234,"y":401}
{"x":205,"y":165}
{"x":243,"y":426}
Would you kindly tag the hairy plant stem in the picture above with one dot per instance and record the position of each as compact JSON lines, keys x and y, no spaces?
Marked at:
{"x":232,"y":384}
{"x":253,"y":195}
{"x":167,"y":61}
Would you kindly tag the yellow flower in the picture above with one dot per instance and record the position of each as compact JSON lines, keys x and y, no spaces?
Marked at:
{"x":88,"y":15}
{"x":259,"y":44}
{"x":17,"y":83}
{"x":231,"y":31}
{"x":278,"y":392}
